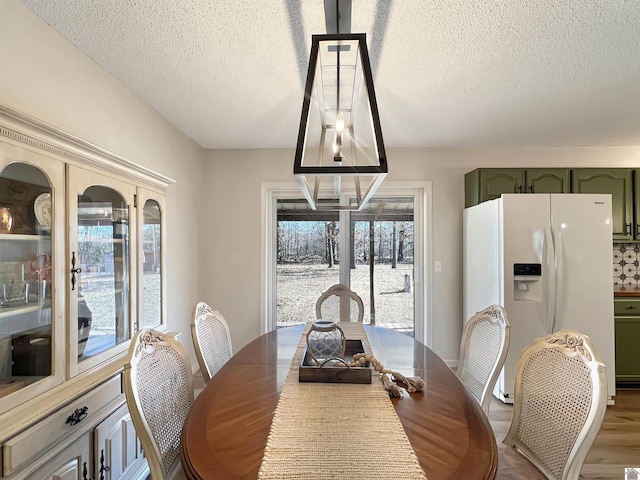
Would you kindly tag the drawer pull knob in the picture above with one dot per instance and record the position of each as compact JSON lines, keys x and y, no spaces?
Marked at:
{"x":631,"y":307}
{"x":77,"y":416}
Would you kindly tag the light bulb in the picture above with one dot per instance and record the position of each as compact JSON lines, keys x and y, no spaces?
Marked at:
{"x":337,"y":144}
{"x":340,"y":122}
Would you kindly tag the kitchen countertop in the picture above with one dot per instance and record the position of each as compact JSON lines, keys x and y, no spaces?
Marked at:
{"x":626,"y":291}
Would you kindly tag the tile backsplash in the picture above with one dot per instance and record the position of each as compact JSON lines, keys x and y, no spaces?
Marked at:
{"x":626,"y":264}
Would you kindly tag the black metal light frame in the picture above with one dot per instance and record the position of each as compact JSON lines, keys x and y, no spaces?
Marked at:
{"x":377,"y":172}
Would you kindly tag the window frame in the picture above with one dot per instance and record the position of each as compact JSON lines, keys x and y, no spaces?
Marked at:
{"x":422,"y":197}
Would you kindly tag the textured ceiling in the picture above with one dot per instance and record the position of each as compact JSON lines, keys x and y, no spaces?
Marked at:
{"x":447,"y":73}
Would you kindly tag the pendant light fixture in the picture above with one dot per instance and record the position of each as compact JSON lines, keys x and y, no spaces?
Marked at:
{"x":340,"y":138}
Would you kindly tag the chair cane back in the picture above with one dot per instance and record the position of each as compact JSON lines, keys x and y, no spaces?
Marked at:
{"x":340,"y":303}
{"x":211,"y":340}
{"x":159,"y":391}
{"x":559,"y":403}
{"x":483,"y":350}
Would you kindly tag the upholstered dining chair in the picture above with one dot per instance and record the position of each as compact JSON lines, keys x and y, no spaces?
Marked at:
{"x":159,"y":391}
{"x":211,"y":340}
{"x":483,"y":350}
{"x":340,"y":303}
{"x":560,"y":399}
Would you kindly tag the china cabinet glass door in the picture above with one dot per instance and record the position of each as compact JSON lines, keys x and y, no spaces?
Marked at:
{"x":100,"y":267}
{"x":151,"y":294}
{"x":31,"y":330}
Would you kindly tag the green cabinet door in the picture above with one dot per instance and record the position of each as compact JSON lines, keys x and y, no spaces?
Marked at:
{"x":618,"y":182}
{"x":489,"y":183}
{"x":627,"y":323}
{"x":627,"y":351}
{"x":548,"y":180}
{"x":495,"y":182}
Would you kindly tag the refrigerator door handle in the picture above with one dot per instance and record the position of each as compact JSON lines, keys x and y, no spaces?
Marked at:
{"x":550,"y":264}
{"x":559,"y":291}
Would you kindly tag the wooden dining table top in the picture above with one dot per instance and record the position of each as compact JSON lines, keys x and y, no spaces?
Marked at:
{"x":226,"y":431}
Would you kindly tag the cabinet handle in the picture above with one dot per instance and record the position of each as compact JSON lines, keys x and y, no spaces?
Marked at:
{"x":77,"y":416}
{"x":628,"y":229}
{"x":103,"y":468}
{"x":519,"y":188}
{"x":631,"y":307}
{"x":74,"y":270}
{"x":531,"y":188}
{"x":84,"y":471}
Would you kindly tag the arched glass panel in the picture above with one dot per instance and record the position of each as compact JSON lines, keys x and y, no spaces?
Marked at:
{"x":25,"y":277}
{"x":152,"y":265}
{"x":103,"y":282}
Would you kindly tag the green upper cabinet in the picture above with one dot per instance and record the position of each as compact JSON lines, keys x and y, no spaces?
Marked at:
{"x":548,"y":180}
{"x":619,"y":183}
{"x":488,"y":183}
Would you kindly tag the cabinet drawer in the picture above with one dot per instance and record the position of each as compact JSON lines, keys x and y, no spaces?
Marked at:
{"x":30,"y":443}
{"x":626,"y":306}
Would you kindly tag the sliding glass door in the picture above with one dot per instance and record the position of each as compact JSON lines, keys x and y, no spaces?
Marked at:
{"x":371,"y":251}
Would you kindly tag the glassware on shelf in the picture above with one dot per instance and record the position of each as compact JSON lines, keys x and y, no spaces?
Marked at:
{"x":15,"y":295}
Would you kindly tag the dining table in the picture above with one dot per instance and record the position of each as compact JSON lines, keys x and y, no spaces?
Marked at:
{"x":225,"y":433}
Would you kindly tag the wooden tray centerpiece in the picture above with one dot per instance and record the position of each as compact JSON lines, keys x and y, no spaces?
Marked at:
{"x":334,"y":371}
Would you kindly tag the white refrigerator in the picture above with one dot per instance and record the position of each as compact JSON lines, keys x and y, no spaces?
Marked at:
{"x":548,"y":259}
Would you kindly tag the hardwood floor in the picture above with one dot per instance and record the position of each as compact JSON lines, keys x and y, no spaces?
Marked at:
{"x":617,"y":445}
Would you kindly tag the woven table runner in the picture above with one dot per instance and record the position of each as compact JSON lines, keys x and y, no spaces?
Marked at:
{"x":335,"y":431}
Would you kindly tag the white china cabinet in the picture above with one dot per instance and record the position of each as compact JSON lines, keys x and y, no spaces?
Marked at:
{"x":81,"y":269}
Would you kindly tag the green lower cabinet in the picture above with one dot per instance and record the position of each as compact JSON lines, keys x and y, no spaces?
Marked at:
{"x":637,"y":195}
{"x":619,"y":183}
{"x":627,"y":342}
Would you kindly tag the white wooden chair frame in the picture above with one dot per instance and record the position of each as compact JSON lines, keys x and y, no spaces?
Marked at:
{"x":202,"y":315}
{"x":144,"y":344}
{"x":495,"y":319}
{"x":345,"y":295}
{"x":571,"y":344}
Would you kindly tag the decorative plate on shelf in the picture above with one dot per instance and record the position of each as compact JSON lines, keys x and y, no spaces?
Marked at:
{"x":42,"y":209}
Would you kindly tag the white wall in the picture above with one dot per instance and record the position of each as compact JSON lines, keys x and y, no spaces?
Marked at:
{"x":45,"y":76}
{"x":232,"y":262}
